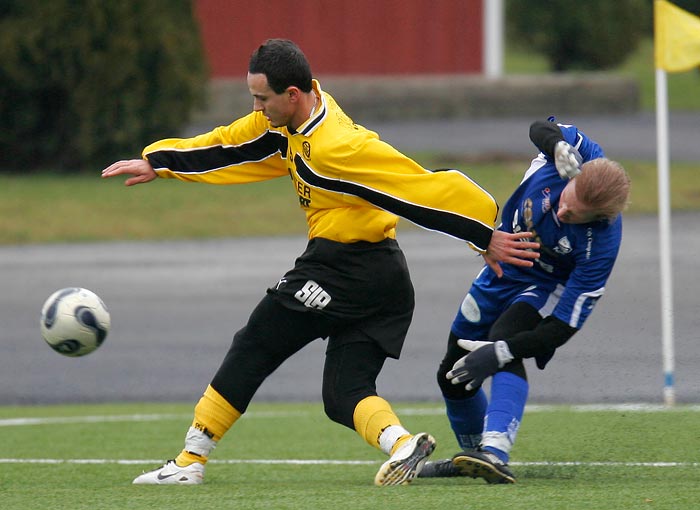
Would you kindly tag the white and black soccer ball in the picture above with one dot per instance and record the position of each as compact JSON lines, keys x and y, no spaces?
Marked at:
{"x":74,"y":321}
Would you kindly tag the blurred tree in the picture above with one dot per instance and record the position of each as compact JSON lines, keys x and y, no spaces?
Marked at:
{"x":575,"y":35}
{"x":85,"y":82}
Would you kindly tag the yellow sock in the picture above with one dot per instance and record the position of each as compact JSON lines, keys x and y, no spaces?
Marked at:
{"x":371,"y":416}
{"x":213,"y":416}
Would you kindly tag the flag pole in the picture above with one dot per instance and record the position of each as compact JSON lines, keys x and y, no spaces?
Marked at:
{"x":666,"y":275}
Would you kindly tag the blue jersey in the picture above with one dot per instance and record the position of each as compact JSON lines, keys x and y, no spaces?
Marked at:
{"x":575,"y":259}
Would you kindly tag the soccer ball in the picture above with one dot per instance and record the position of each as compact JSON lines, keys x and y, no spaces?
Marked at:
{"x":74,"y":321}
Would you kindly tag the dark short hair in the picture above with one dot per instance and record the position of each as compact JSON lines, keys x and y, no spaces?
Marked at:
{"x":283,"y":63}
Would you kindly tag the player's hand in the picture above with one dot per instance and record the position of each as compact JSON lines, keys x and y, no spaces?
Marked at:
{"x":567,"y":159}
{"x":484,"y":360}
{"x":510,"y":249}
{"x":140,"y":169}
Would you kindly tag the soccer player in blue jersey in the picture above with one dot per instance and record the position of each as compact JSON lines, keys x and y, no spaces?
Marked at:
{"x":570,"y":199}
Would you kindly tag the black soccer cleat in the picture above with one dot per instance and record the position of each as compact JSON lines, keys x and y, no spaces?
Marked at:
{"x":443,"y":468}
{"x":483,"y":464}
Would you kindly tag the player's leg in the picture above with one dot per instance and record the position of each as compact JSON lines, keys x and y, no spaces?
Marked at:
{"x":272,"y":335}
{"x":503,"y":416}
{"x":478,"y":318}
{"x":509,"y":390}
{"x":353,"y":362}
{"x":465,"y":410}
{"x":478,"y":311}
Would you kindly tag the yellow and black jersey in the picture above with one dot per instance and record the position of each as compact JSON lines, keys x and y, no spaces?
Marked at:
{"x":351,"y":185}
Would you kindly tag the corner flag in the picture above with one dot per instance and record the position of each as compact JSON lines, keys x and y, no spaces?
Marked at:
{"x":676,"y":49}
{"x":676,"y":38}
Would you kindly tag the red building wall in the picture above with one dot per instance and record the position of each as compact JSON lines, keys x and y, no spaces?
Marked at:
{"x":353,"y":37}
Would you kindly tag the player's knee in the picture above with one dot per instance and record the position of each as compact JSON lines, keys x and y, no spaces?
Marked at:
{"x":452,"y":391}
{"x":454,"y":352}
{"x":339,"y":409}
{"x":448,"y":389}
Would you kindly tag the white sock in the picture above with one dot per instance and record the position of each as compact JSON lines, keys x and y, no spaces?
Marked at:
{"x":389,"y":436}
{"x":198,"y":442}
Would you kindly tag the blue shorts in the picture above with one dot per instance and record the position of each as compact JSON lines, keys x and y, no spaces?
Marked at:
{"x":489,"y":296}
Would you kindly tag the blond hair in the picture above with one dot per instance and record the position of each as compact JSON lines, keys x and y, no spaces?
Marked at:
{"x":603,"y":185}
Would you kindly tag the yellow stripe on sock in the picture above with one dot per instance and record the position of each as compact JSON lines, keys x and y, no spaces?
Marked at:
{"x":399,"y":442}
{"x":186,"y":458}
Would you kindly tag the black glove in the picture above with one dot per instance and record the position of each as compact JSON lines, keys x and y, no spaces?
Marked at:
{"x":484,"y":360}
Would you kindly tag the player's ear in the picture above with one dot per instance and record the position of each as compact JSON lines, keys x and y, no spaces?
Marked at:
{"x":294,"y":93}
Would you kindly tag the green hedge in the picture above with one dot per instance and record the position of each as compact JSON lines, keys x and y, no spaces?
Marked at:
{"x":580,"y":35}
{"x":86,"y":82}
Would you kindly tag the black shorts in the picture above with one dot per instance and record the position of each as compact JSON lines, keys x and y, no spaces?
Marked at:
{"x":364,"y":286}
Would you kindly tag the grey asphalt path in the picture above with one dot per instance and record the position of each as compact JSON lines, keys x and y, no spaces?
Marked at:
{"x":176,"y":305}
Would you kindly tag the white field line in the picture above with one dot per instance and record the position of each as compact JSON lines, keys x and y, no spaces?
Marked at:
{"x":10,"y":422}
{"x":332,"y":462}
{"x":274,"y":414}
{"x":406,"y":411}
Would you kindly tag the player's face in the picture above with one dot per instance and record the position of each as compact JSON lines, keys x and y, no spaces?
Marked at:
{"x":571,"y":209}
{"x":279,"y":109}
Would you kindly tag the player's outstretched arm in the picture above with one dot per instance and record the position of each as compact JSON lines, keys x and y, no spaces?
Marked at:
{"x":140,"y":170}
{"x":510,"y":249}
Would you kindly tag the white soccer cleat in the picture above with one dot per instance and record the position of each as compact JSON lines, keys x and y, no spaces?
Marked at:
{"x":407,"y":461}
{"x":172,"y":474}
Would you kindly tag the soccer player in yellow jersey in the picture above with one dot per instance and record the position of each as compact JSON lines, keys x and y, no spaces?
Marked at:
{"x":351,"y":285}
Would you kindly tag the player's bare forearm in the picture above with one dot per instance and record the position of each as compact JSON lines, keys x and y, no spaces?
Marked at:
{"x":507,"y":248}
{"x":140,"y":170}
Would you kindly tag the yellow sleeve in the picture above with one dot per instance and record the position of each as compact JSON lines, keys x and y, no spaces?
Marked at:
{"x":245,"y":151}
{"x":446,"y":201}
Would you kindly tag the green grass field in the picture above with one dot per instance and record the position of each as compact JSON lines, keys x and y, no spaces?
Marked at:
{"x":290,"y":456}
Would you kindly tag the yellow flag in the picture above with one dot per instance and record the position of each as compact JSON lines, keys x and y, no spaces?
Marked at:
{"x":676,"y":38}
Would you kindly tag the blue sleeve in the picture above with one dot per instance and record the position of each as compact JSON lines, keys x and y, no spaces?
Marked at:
{"x":588,"y":148}
{"x":597,"y":250}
